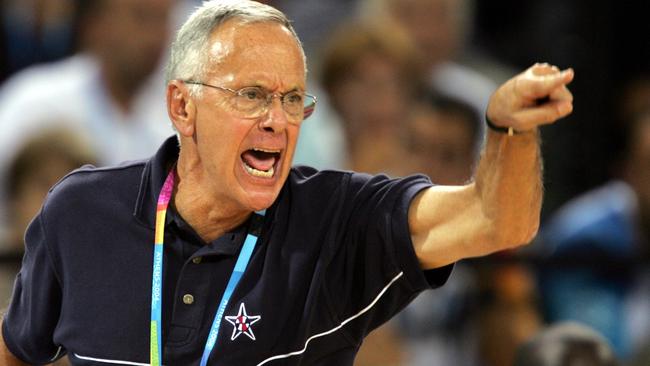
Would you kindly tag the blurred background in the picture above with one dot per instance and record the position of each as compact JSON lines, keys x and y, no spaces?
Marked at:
{"x":402,"y":88}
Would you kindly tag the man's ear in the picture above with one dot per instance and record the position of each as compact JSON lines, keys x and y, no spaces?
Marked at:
{"x":181,"y":108}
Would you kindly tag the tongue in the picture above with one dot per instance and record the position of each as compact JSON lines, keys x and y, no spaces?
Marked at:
{"x":259,"y":160}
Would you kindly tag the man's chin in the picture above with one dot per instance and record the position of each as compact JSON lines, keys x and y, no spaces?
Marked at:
{"x":262,"y":201}
{"x":261,"y":193}
{"x":260,"y":198}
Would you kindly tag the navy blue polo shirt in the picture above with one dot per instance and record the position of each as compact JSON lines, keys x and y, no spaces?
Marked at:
{"x":334,"y":260}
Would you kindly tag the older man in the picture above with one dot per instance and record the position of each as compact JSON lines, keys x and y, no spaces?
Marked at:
{"x":262,"y":263}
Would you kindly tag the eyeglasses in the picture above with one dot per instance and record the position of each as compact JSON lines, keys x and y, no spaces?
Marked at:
{"x":254,"y":102}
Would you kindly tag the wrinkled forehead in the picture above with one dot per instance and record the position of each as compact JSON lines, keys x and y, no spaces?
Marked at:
{"x":240,"y":34}
{"x":264,"y":46}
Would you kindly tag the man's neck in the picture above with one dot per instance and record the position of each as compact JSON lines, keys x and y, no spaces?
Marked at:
{"x":207,"y":215}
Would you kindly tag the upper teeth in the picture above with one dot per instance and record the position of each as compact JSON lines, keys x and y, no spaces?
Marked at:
{"x":265,"y":150}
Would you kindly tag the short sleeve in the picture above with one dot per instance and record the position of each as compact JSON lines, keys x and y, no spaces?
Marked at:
{"x":375,"y":272}
{"x":28,"y":327}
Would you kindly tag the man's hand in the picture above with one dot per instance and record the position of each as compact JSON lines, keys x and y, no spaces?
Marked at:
{"x":535,"y":97}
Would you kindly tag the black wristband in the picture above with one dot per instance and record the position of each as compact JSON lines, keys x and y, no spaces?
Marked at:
{"x":507,"y":130}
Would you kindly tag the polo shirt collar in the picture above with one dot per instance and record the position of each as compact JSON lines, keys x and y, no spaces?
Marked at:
{"x":151,"y":182}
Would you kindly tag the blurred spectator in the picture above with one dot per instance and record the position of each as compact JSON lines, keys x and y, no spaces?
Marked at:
{"x":600,"y":250}
{"x":33,"y":31}
{"x":508,"y":313}
{"x":372,"y":75}
{"x":439,"y":327}
{"x":442,"y":137}
{"x":566,"y":344}
{"x":109,"y":92}
{"x":441,"y":30}
{"x":39,"y":164}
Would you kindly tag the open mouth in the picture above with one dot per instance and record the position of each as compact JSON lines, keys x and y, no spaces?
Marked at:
{"x":260,"y":162}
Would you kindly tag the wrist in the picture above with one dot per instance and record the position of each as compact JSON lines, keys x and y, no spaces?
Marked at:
{"x":500,"y":129}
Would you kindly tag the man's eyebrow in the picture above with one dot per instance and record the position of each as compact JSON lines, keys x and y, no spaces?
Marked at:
{"x":294,"y":89}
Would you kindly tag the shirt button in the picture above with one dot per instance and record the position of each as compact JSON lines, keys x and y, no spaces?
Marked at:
{"x":188,"y":299}
{"x":196,"y":260}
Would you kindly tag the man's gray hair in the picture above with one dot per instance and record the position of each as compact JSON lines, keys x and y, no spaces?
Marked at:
{"x":189,"y":51}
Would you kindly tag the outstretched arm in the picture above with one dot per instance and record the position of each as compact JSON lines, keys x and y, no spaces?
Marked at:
{"x":500,"y":208}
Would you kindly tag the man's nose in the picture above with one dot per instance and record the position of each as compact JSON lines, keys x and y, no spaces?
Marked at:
{"x":275,"y":118}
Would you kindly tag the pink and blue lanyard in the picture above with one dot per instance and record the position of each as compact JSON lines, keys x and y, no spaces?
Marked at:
{"x":156,"y":284}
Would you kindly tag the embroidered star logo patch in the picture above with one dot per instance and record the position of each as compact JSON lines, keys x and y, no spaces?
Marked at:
{"x":242,"y":323}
